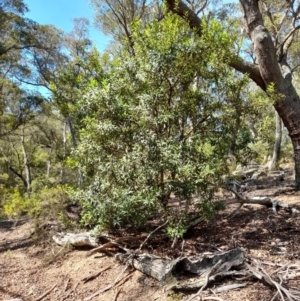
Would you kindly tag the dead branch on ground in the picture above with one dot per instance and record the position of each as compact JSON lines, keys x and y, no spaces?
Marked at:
{"x":117,"y":294}
{"x":94,"y":276}
{"x":265,"y":201}
{"x":117,"y":281}
{"x":46,"y":293}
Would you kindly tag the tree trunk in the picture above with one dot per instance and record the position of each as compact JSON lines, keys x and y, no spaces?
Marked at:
{"x":74,"y":141}
{"x":288,"y":104}
{"x":273,"y":164}
{"x":62,"y":170}
{"x":26,"y":164}
{"x":49,"y":164}
{"x":270,"y":70}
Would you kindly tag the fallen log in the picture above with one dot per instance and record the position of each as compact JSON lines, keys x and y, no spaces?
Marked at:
{"x":87,"y":239}
{"x":76,"y":239}
{"x":264,"y":201}
{"x":175,"y":274}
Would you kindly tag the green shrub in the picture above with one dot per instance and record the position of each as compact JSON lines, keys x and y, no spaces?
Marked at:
{"x":159,"y":125}
{"x":16,"y":204}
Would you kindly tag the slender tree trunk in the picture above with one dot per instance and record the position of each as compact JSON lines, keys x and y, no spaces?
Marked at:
{"x":72,"y":132}
{"x":26,"y":163}
{"x":62,"y":170}
{"x":49,"y":164}
{"x":273,"y":164}
{"x":74,"y":142}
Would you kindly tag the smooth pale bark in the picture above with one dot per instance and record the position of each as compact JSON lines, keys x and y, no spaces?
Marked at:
{"x":62,"y":170}
{"x":273,"y":164}
{"x":49,"y":164}
{"x":74,"y":142}
{"x":26,"y":164}
{"x":269,"y":70}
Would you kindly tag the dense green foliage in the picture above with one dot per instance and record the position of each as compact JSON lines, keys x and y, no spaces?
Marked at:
{"x":159,"y":124}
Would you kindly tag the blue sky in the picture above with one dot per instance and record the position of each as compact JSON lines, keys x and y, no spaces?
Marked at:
{"x":61,"y":14}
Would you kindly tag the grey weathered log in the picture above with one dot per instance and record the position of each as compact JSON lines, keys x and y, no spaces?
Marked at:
{"x":171,"y":272}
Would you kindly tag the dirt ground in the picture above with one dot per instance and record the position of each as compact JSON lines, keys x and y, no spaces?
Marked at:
{"x":31,"y":270}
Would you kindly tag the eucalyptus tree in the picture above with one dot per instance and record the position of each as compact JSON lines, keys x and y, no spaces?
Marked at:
{"x":30,"y":54}
{"x":25,"y":45}
{"x":273,"y":50}
{"x":117,"y":17}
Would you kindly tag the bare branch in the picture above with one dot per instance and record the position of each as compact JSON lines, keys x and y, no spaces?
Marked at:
{"x":287,"y":41}
{"x":15,"y":47}
{"x":150,"y":234}
{"x":186,"y":13}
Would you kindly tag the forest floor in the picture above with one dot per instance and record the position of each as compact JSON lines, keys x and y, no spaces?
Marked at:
{"x":31,"y":270}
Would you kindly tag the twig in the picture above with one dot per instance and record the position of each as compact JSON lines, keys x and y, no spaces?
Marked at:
{"x":66,"y":285}
{"x":213,"y":298}
{"x":117,"y":294}
{"x":234,"y":212}
{"x":109,"y":286}
{"x":279,"y":269}
{"x":103,"y":247}
{"x":174,"y":242}
{"x":75,"y":286}
{"x":182,"y":246}
{"x":212,"y":270}
{"x":65,"y":289}
{"x":113,"y":243}
{"x":70,"y":292}
{"x":46,"y":293}
{"x":92,"y":277}
{"x":277,"y":291}
{"x":291,"y":295}
{"x":151,"y":233}
{"x":122,"y":281}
